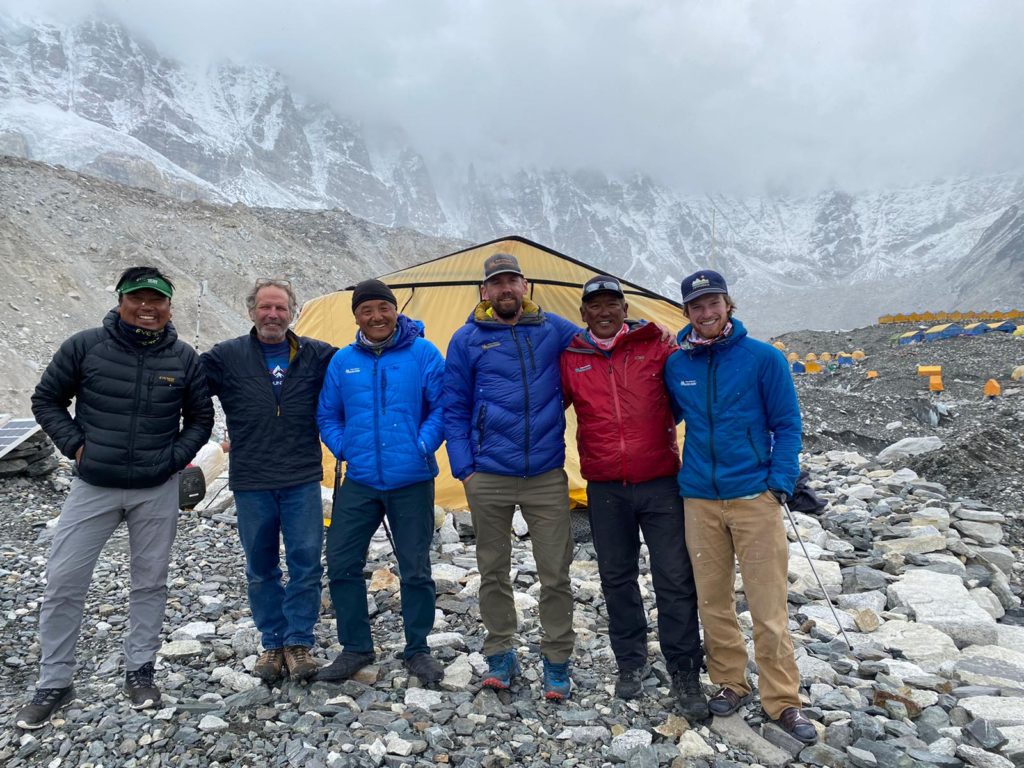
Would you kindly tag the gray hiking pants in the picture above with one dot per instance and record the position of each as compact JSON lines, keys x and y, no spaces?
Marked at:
{"x":88,"y":519}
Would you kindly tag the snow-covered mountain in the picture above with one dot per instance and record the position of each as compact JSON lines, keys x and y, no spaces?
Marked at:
{"x":93,"y":98}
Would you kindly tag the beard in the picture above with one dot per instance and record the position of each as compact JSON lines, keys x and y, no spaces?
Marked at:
{"x":506,"y":311}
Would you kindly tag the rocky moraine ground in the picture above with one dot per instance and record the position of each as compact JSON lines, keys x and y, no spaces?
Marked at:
{"x":921,"y":555}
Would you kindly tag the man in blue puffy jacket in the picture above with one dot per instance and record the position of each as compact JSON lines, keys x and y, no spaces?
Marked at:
{"x":268,"y":382}
{"x":740,"y":463}
{"x":380,"y":413}
{"x":505,"y":425}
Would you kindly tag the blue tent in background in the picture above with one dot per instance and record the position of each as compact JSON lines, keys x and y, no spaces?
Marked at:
{"x":1006,"y":326}
{"x":976,"y":329}
{"x":944,"y":331}
{"x":798,"y":367}
{"x":911,"y":337}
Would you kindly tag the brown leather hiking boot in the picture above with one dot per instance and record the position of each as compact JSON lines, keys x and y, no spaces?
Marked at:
{"x":300,"y":664}
{"x":270,"y":665}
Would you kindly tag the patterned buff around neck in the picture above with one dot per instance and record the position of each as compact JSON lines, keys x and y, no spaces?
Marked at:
{"x":376,"y":346}
{"x":606,"y":345}
{"x":140,"y":337}
{"x":696,"y":340}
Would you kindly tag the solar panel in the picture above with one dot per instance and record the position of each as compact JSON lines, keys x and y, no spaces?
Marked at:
{"x":14,"y":433}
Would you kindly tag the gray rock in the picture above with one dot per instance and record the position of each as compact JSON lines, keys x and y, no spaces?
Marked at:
{"x":735,"y":732}
{"x":986,"y":534}
{"x":985,"y":735}
{"x":625,"y":744}
{"x":585,"y":734}
{"x":919,"y":643}
{"x":941,"y":601}
{"x":981,"y":759}
{"x":998,"y":710}
{"x":991,"y":665}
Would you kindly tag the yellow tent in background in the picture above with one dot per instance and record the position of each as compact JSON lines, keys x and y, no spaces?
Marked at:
{"x":779,"y":346}
{"x":443,"y":292}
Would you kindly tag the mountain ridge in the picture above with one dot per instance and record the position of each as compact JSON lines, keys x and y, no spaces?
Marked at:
{"x":94,"y":98}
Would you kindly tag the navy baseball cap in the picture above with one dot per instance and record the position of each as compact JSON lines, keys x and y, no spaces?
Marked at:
{"x":702,"y":283}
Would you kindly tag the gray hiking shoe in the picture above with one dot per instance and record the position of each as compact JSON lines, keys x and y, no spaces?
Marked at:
{"x":138,"y":684}
{"x":44,"y":703}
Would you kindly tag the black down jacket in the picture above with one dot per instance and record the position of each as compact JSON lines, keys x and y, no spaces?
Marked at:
{"x":272,"y":445}
{"x":141,"y":413}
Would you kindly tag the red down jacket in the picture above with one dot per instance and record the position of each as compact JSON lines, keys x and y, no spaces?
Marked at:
{"x":625,"y":429}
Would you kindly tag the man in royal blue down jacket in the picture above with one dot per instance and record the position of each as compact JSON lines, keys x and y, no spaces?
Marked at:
{"x":505,"y":425}
{"x":740,"y":463}
{"x":380,"y":413}
{"x":268,"y":382}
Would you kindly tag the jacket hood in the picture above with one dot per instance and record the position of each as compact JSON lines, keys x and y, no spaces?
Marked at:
{"x":482,"y":314}
{"x":682,"y":338}
{"x":110,"y":325}
{"x":406,"y":331}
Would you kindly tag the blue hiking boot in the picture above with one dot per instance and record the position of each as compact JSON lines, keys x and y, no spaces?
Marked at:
{"x":557,"y":684}
{"x":502,"y":667}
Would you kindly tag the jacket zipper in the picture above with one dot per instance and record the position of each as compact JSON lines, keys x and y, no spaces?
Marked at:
{"x":384,"y":391}
{"x":533,"y":360}
{"x":139,"y":359}
{"x":376,"y":422}
{"x":753,"y":447}
{"x":618,"y":421}
{"x":526,"y":402}
{"x":481,"y":420}
{"x":712,"y":396}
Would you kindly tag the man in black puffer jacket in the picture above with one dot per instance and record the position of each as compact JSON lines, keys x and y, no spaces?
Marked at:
{"x":142,"y":411}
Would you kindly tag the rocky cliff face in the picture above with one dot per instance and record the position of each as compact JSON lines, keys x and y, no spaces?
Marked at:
{"x":92,"y":98}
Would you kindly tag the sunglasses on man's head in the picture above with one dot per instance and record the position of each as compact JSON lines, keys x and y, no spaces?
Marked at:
{"x":274,"y":281}
{"x":602,"y":285}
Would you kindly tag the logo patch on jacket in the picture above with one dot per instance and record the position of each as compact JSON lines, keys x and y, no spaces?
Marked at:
{"x":166,"y":379}
{"x":490,"y":345}
{"x":352,"y":370}
{"x":583,"y":368}
{"x":688,"y":383}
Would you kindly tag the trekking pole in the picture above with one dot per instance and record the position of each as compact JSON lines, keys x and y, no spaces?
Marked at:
{"x":391,"y":541}
{"x":817,"y":578}
{"x":199,"y":309}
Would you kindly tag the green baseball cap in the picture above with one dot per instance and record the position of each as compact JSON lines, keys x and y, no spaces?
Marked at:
{"x":153,"y":283}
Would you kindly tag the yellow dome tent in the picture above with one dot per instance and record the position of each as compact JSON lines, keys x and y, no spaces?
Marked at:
{"x":442,"y":293}
{"x":992,"y":388}
{"x":1018,"y":372}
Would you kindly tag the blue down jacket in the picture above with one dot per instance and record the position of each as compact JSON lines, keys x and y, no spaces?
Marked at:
{"x":381,"y":413}
{"x":502,"y":394}
{"x":743,"y":431}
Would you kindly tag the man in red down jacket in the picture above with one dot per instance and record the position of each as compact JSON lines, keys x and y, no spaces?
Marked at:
{"x":612,"y":374}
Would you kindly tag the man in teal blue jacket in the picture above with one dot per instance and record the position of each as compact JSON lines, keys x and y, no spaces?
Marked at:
{"x":740,"y":463}
{"x":380,"y":413}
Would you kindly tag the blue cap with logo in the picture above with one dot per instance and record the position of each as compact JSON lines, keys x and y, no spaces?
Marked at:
{"x":702,"y":283}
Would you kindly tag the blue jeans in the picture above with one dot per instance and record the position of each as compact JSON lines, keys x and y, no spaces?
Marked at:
{"x":284,"y":614}
{"x":358,"y":511}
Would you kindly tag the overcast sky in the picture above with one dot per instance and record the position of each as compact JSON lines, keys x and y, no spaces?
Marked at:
{"x":707,"y":96}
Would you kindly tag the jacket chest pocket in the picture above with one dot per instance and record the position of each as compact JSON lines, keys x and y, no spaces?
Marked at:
{"x":163,"y":389}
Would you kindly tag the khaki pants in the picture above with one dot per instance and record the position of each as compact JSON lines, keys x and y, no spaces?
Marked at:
{"x":719,"y":532}
{"x":544,"y":501}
